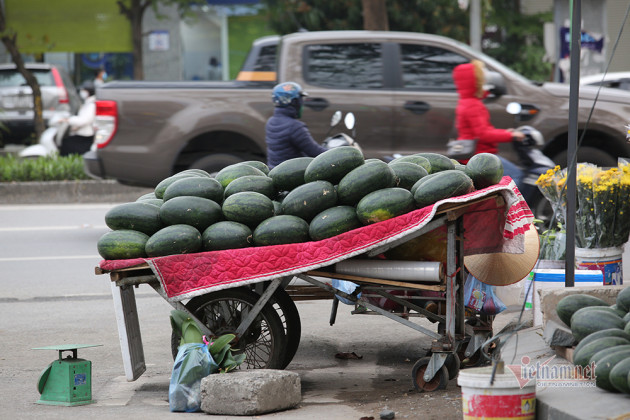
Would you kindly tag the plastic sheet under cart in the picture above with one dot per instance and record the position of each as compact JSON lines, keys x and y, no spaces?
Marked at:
{"x":488,"y":226}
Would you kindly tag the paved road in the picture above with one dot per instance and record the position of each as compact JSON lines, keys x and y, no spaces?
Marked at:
{"x":50,"y":295}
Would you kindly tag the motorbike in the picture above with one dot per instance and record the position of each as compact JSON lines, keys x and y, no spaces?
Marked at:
{"x":50,"y":141}
{"x":533,"y":163}
{"x":341,"y":138}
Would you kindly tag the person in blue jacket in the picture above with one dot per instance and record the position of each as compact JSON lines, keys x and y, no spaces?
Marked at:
{"x":287,"y":137}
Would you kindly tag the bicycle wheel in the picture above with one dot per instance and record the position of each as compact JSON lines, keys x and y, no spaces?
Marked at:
{"x":263,"y":342}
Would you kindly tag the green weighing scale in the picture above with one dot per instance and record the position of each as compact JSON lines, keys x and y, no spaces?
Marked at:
{"x":66,"y":381}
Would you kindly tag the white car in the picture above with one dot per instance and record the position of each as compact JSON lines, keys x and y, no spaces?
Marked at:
{"x":59,"y":97}
{"x":618,"y":80}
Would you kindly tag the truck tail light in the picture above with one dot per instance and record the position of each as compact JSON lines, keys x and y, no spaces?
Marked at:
{"x":106,"y":122}
{"x":63,"y":92}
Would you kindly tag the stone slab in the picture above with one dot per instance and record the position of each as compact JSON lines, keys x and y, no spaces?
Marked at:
{"x":549,"y":298}
{"x":556,"y":334}
{"x":250,"y":392}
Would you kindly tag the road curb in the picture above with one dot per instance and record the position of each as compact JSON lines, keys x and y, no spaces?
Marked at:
{"x":68,"y":192}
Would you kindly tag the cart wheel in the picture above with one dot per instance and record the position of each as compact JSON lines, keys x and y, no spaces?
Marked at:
{"x":439,"y":381}
{"x":290,"y":317}
{"x":263,"y":343}
{"x":452,"y":364}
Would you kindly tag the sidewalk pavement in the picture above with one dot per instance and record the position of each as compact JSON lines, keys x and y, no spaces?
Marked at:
{"x":563,"y":403}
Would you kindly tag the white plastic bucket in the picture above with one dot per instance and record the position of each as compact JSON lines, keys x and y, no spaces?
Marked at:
{"x":606,"y":260}
{"x":504,"y":399}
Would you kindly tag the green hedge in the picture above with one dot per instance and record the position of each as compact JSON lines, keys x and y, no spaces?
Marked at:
{"x":66,"y":168}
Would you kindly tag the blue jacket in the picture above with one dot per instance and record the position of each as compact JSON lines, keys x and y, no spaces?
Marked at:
{"x":288,"y":138}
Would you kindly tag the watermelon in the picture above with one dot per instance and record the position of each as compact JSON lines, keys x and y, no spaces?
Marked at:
{"x":588,"y":320}
{"x":277,"y":207}
{"x":384,"y":204}
{"x":175,"y":239}
{"x":438,"y":162}
{"x":485,"y":169}
{"x":605,"y":365}
{"x":261,"y":166}
{"x":161,"y":187}
{"x":570,"y":304}
{"x":195,"y":171}
{"x":309,"y":199}
{"x":189,"y":210}
{"x":626,"y":318}
{"x":583,"y":356}
{"x":231,"y":172}
{"x":362,"y":180}
{"x":153,"y":201}
{"x":202,"y":187}
{"x":611,"y":332}
{"x":147,"y":196}
{"x":619,"y":375}
{"x":138,"y":215}
{"x":261,"y":184}
{"x":122,"y":244}
{"x":445,"y":184}
{"x":249,"y":208}
{"x":407,"y":174}
{"x":421,"y":181}
{"x":283,"y":229}
{"x":333,"y":221}
{"x":333,"y":164}
{"x":618,"y":311}
{"x":623,"y":299}
{"x":226,"y":235}
{"x":418,"y":160}
{"x":290,"y":173}
{"x":600,"y":354}
{"x":627,"y":328}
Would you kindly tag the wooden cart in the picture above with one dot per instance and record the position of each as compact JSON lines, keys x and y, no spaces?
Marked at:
{"x":266,"y":322}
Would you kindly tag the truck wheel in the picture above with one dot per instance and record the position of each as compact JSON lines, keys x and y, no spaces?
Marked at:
{"x":214,"y":163}
{"x":587,"y":154}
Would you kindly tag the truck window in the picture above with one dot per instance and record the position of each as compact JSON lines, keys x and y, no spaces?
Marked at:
{"x":344,"y":66}
{"x":428,"y":68}
{"x":260,"y":65}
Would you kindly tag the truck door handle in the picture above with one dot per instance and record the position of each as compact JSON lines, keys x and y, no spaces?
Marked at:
{"x":417,"y":107}
{"x":317,"y":104}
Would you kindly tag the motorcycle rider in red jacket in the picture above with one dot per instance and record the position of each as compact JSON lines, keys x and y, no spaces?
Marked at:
{"x":472,"y":118}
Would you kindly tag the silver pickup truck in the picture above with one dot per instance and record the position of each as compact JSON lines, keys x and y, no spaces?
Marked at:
{"x":398,"y":85}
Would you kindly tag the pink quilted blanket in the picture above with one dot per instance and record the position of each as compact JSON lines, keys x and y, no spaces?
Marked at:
{"x":488,"y":228}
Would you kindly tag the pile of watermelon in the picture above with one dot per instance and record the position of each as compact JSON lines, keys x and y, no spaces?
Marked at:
{"x":300,"y":200}
{"x":603,"y":335}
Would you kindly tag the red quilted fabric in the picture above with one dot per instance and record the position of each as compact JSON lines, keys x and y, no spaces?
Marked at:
{"x":487,"y":227}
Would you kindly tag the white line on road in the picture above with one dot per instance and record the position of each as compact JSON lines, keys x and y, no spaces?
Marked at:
{"x":62,"y":257}
{"x":39,"y":228}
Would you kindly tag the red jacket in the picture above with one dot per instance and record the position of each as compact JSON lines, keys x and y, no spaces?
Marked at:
{"x":472,"y":119}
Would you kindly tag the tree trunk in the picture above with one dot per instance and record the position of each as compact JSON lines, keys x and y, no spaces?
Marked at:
{"x":10,"y":44}
{"x":136,"y":32}
{"x":134,"y":13}
{"x":375,"y":15}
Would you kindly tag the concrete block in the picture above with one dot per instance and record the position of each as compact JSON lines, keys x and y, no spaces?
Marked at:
{"x":556,"y":334}
{"x":549,"y":298}
{"x":250,"y":392}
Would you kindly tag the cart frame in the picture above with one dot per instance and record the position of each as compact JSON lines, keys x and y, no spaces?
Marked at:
{"x":457,"y":333}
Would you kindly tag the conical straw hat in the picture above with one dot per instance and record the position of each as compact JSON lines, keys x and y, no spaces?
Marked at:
{"x":502,"y":268}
